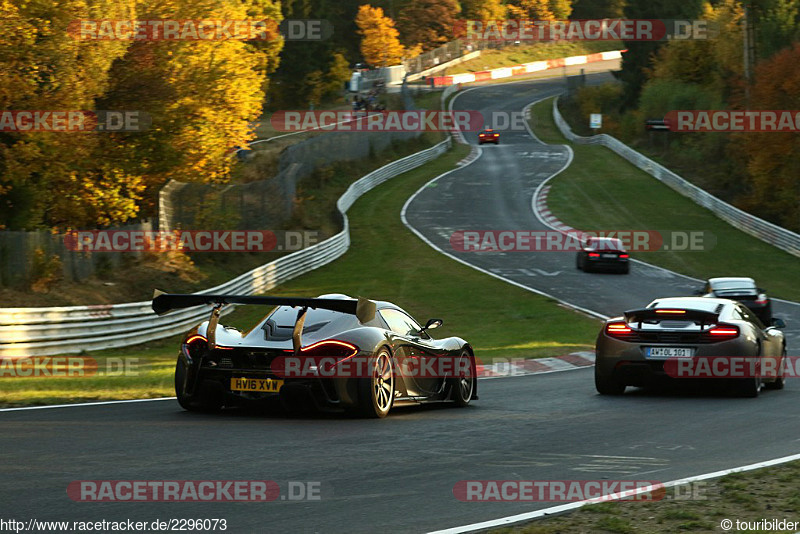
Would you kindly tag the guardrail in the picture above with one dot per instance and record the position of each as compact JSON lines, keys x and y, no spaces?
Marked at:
{"x":73,"y":329}
{"x":765,"y":231}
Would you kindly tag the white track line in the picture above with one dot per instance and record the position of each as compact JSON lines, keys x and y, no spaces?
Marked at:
{"x":537,"y":193}
{"x":538,"y":514}
{"x":404,"y":219}
{"x":100,"y":403}
{"x":529,"y":516}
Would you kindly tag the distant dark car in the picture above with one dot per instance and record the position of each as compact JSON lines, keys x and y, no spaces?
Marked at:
{"x":334,"y":353}
{"x":488,"y":136}
{"x":603,"y":254}
{"x":632,"y":349}
{"x":743,"y":290}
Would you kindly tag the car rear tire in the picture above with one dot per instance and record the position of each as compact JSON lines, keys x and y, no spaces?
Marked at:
{"x":626,"y":269}
{"x":779,"y":382}
{"x":462,"y":385}
{"x":608,"y":385}
{"x":748,"y":387}
{"x":376,"y":392}
{"x":206,"y":399}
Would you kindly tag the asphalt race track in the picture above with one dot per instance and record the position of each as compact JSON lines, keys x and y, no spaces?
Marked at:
{"x":495,"y":192}
{"x":397,"y":474}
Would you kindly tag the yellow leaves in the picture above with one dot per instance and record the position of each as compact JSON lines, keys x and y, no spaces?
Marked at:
{"x":380,"y":44}
{"x":201,"y":97}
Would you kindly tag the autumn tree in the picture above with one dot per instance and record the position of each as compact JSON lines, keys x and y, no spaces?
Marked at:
{"x":430,"y":23}
{"x":777,"y":23}
{"x":483,"y":9}
{"x":289,"y":89}
{"x":772,"y":162}
{"x":539,"y":9}
{"x":201,"y":95}
{"x":637,"y":61}
{"x":380,"y":45}
{"x":713,"y":63}
{"x":597,"y":9}
{"x":48,"y":177}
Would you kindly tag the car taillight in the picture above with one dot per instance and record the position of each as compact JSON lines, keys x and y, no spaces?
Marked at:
{"x":624,"y":255}
{"x":594,"y":255}
{"x":721,"y":332}
{"x":481,"y":135}
{"x":762,"y":299}
{"x":195,"y":345}
{"x":618,"y":329}
{"x":330,"y":348}
{"x":329,"y":352}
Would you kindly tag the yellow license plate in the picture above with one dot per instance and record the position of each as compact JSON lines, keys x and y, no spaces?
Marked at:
{"x":263,"y":385}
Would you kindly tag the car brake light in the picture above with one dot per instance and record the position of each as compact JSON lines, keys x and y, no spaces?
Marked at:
{"x":724,"y":331}
{"x":624,"y":256}
{"x":594,"y":255}
{"x":195,"y":345}
{"x":671,"y":312}
{"x":618,"y":329}
{"x":482,"y":135}
{"x":330,"y":348}
{"x":762,"y":299}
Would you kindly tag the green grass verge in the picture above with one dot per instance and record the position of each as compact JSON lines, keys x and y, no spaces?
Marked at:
{"x":602,"y":191}
{"x":386,"y":262}
{"x":699,"y":508}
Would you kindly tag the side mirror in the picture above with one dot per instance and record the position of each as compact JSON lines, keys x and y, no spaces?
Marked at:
{"x":431,"y":324}
{"x":777,"y":322}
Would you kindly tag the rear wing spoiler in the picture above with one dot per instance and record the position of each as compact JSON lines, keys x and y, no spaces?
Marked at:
{"x":678,"y":314}
{"x":362,"y":308}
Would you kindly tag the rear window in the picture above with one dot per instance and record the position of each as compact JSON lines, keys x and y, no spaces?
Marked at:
{"x":733,"y":284}
{"x":605,"y":243}
{"x":279,"y":325}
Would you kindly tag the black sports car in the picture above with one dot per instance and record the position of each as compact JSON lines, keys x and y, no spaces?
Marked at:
{"x":743,"y":290}
{"x":603,"y":254}
{"x":333,"y":352}
{"x":488,"y":136}
{"x":690,"y":332}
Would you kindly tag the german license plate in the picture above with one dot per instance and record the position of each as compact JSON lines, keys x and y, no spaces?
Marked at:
{"x":262,"y":385}
{"x":662,"y":353}
{"x":609,"y":255}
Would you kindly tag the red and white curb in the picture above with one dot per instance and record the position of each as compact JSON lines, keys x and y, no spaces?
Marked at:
{"x":520,"y":367}
{"x":474,"y":154}
{"x":525,"y":68}
{"x":546,"y":215}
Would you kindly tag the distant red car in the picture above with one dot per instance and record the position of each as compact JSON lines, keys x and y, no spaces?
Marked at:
{"x":488,"y":136}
